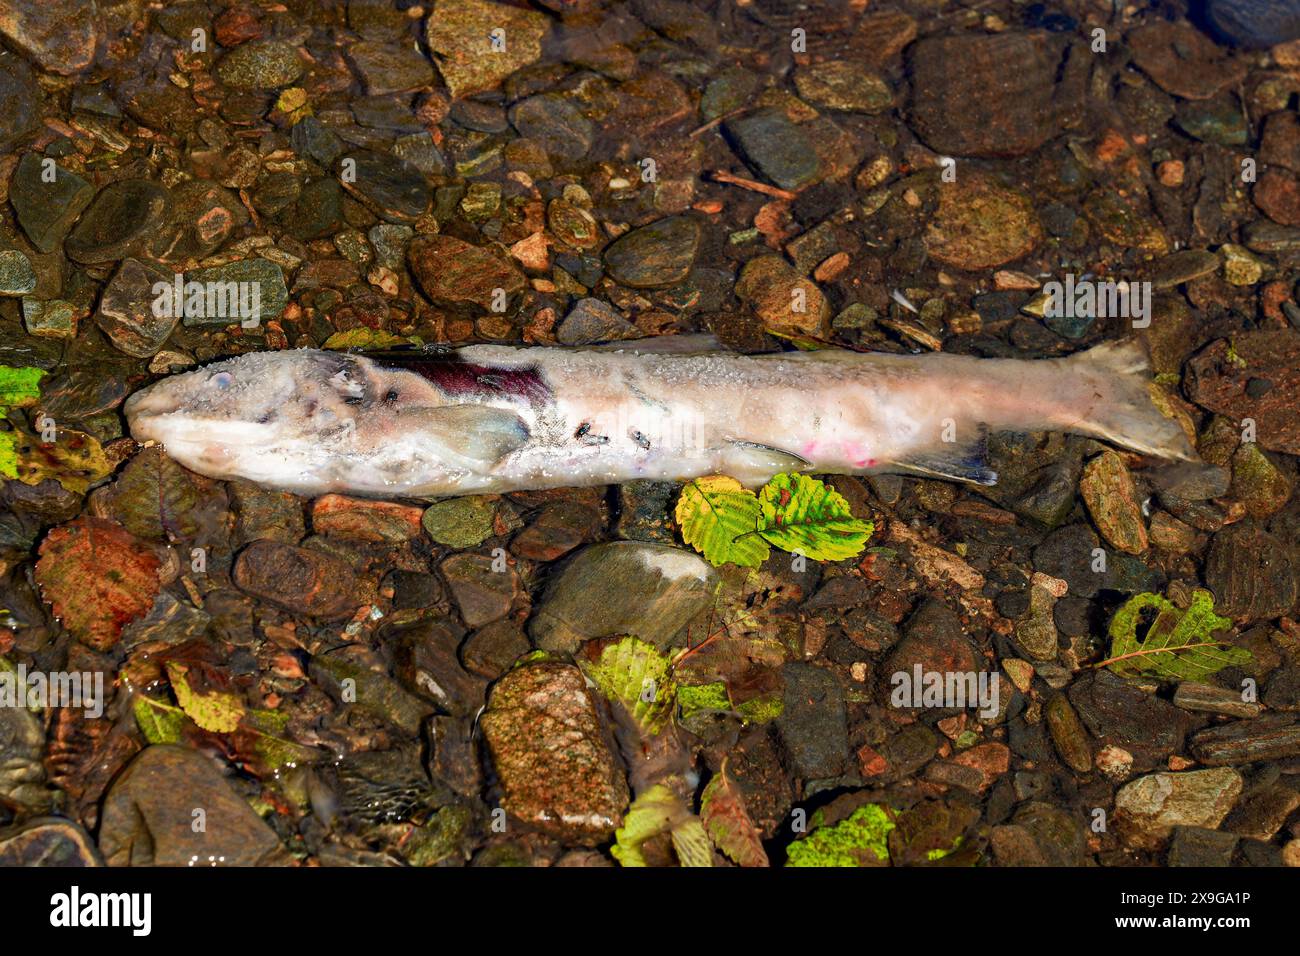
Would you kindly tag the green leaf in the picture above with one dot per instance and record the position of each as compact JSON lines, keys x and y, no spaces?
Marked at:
{"x":160,"y":723}
{"x":20,"y":386}
{"x":860,"y":840}
{"x":8,"y":454}
{"x":1177,"y":646}
{"x":703,"y":698}
{"x":727,"y":820}
{"x":636,"y":675}
{"x":691,"y":843}
{"x":215,"y":712}
{"x":718,"y":518}
{"x":805,"y":515}
{"x":659,"y":810}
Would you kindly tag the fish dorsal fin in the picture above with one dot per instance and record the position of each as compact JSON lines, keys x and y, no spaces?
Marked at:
{"x":477,"y":435}
{"x":967,"y":461}
{"x":690,"y":344}
{"x":743,"y":459}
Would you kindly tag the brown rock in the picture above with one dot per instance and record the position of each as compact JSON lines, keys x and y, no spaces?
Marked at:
{"x":557,"y":771}
{"x":1254,"y":375}
{"x":453,"y":272}
{"x":379,"y":521}
{"x":151,"y":816}
{"x":482,"y":593}
{"x":1278,"y":194}
{"x":1108,"y":491}
{"x":1272,"y":737}
{"x":300,"y":580}
{"x":1004,"y":101}
{"x":981,"y":224}
{"x":1253,"y":575}
{"x":1183,"y":60}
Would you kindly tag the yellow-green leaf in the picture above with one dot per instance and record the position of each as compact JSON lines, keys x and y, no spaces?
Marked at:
{"x":160,"y":723}
{"x":19,"y":386}
{"x":725,"y":817}
{"x":216,"y":712}
{"x":805,"y":515}
{"x":635,"y":674}
{"x":718,"y":518}
{"x":1177,"y":646}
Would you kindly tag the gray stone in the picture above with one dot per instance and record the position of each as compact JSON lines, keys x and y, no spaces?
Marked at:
{"x":47,"y":210}
{"x":123,"y":216}
{"x":1148,"y":808}
{"x":267,"y":277}
{"x":813,"y":727}
{"x":17,"y":277}
{"x":48,"y":841}
{"x":776,"y":148}
{"x":1197,"y":846}
{"x":591,"y":321}
{"x":126,"y":312}
{"x":632,"y":588}
{"x":659,"y":254}
{"x":149,"y":816}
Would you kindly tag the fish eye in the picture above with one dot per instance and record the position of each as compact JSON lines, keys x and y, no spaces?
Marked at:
{"x":222,"y":380}
{"x":391,"y":396}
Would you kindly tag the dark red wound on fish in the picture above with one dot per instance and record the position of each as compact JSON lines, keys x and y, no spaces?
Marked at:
{"x":457,"y":378}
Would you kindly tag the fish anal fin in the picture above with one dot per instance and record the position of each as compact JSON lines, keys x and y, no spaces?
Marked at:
{"x":475,"y":434}
{"x":964,"y":461}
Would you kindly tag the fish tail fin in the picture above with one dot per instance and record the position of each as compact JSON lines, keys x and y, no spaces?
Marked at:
{"x":1117,"y":377}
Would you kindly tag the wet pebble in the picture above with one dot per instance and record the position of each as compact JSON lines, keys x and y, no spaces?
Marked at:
{"x":557,"y":772}
{"x":126,"y":312}
{"x":483,"y":588}
{"x":776,"y":148}
{"x":459,"y":33}
{"x":556,"y":124}
{"x":453,"y":272}
{"x":48,"y":841}
{"x":60,"y":37}
{"x":17,"y":277}
{"x":47,"y":210}
{"x":1148,"y":808}
{"x":591,"y":321}
{"x":148,"y":816}
{"x":302,"y":580}
{"x":390,"y":68}
{"x":644,"y":590}
{"x":122,"y":217}
{"x":260,"y":65}
{"x":655,"y":255}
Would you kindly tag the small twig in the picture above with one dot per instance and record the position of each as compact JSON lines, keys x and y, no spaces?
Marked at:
{"x":753,"y":185}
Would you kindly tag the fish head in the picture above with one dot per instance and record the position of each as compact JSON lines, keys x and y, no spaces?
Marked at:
{"x":270,"y":417}
{"x":312,"y":421}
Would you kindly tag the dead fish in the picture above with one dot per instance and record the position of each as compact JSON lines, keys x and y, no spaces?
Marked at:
{"x":491,"y":418}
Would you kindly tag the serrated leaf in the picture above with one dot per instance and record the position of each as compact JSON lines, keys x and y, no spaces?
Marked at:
{"x":691,"y":843}
{"x":808,"y":516}
{"x":160,"y":723}
{"x":1177,"y":646}
{"x":97,"y":577}
{"x":215,"y":711}
{"x":656,"y":811}
{"x":718,"y":517}
{"x":725,"y":817}
{"x":635,"y":674}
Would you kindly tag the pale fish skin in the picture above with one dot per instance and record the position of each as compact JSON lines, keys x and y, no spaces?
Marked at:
{"x":487,"y":418}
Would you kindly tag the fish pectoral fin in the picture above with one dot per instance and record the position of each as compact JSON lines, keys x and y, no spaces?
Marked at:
{"x":967,"y":461}
{"x":475,"y":434}
{"x":744,"y":459}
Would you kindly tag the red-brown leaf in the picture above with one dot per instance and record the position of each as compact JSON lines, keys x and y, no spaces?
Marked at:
{"x":98,"y":577}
